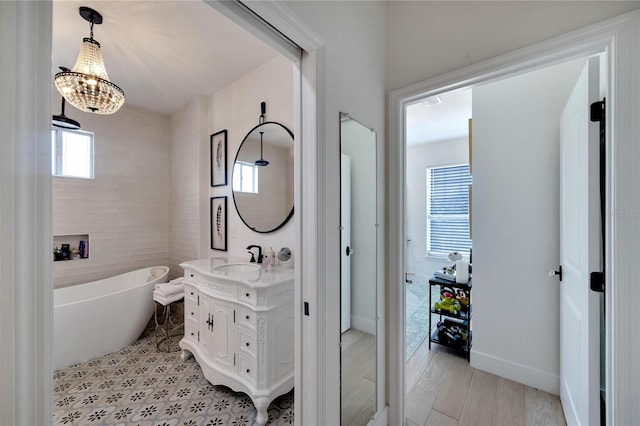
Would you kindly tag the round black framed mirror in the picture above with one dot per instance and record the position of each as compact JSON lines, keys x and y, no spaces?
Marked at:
{"x":262,"y":179}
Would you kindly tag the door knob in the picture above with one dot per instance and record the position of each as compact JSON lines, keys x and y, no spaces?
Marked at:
{"x":348,"y":251}
{"x":553,"y":273}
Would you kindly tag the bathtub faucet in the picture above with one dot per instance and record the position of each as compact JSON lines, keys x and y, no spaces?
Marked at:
{"x":253,"y":259}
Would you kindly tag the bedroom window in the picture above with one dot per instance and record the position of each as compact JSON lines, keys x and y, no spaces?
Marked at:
{"x":245,"y":177}
{"x":448,"y":210}
{"x":72,"y":153}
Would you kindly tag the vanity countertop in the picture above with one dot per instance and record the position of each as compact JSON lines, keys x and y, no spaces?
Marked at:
{"x":254,"y":275}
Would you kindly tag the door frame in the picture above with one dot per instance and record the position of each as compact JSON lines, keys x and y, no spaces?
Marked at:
{"x":620,"y":38}
{"x":26,"y":278}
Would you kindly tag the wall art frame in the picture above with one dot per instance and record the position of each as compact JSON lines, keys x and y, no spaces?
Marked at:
{"x":218,"y":144}
{"x":218,"y":219}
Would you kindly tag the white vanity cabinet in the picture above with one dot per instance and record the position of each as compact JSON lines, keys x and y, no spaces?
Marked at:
{"x":240,"y":328}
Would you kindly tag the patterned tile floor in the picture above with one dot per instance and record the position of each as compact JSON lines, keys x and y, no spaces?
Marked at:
{"x":139,"y":385}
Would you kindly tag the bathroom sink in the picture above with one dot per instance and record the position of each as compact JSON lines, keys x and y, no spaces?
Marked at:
{"x":237,"y":267}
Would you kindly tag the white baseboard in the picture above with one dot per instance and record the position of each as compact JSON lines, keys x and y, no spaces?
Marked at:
{"x":518,"y":373}
{"x":363,"y":324}
{"x":381,"y":418}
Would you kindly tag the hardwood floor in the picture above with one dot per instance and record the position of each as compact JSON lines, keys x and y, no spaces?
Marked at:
{"x":442,"y":389}
{"x":358,"y":378}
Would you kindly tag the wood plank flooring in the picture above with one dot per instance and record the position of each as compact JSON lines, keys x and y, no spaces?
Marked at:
{"x":442,"y":389}
{"x":358,"y":372}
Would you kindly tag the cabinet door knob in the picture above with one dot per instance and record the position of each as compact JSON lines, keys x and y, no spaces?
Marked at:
{"x":210,"y":321}
{"x":247,"y":344}
{"x":248,"y":371}
{"x":246,"y":294}
{"x":246,"y":316}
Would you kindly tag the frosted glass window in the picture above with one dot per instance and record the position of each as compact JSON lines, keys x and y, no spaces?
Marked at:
{"x":72,"y":153}
{"x":448,"y":210}
{"x":245,"y":177}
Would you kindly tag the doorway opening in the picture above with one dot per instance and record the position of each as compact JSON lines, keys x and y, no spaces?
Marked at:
{"x":515,"y":168}
{"x":192,"y":143}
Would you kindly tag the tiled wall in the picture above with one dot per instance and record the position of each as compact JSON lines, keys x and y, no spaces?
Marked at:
{"x":149,"y":201}
{"x":186,"y":185}
{"x":125,"y":208}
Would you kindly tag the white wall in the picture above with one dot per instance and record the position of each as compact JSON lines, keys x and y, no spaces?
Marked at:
{"x":125,"y":208}
{"x":359,"y":144}
{"x":186,"y":182}
{"x":237,"y":109}
{"x":419,"y":158}
{"x":353,"y":38}
{"x":516,"y":224}
{"x":429,"y":38}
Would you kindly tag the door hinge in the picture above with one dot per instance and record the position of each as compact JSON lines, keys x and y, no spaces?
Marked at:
{"x":198,"y":300}
{"x":407,"y":279}
{"x":306,"y":308}
{"x":597,"y":111}
{"x":234,"y":359}
{"x":597,"y":281}
{"x":234,"y":316}
{"x":198,"y":335}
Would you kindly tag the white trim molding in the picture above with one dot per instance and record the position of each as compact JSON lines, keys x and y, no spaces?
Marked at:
{"x":312,"y":390}
{"x":516,"y":372}
{"x":26,"y":286}
{"x":620,"y":38}
{"x":312,"y":241}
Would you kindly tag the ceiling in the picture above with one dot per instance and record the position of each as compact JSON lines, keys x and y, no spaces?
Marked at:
{"x":161,"y":53}
{"x":165,"y":53}
{"x":428,"y":122}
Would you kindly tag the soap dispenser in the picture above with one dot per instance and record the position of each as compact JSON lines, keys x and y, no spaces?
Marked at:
{"x":272,"y":257}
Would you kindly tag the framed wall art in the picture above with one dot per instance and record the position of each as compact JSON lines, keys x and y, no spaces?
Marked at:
{"x":219,"y":223}
{"x":219,"y":158}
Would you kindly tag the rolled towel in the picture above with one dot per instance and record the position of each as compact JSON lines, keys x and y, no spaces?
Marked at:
{"x":165,"y":300}
{"x":167,"y":289}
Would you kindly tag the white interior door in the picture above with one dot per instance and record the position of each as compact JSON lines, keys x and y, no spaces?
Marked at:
{"x":580,"y":253}
{"x":345,"y":238}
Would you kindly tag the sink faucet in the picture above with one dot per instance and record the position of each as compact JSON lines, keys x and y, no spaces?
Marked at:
{"x":253,"y":259}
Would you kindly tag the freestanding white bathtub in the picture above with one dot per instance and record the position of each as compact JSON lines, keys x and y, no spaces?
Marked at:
{"x":100,"y":317}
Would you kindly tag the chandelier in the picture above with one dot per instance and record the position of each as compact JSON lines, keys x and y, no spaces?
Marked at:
{"x":87,"y":86}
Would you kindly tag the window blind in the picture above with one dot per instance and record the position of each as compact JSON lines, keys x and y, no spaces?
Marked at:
{"x":448,"y":210}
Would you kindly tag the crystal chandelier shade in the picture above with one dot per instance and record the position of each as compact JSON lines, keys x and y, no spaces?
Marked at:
{"x":87,"y":86}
